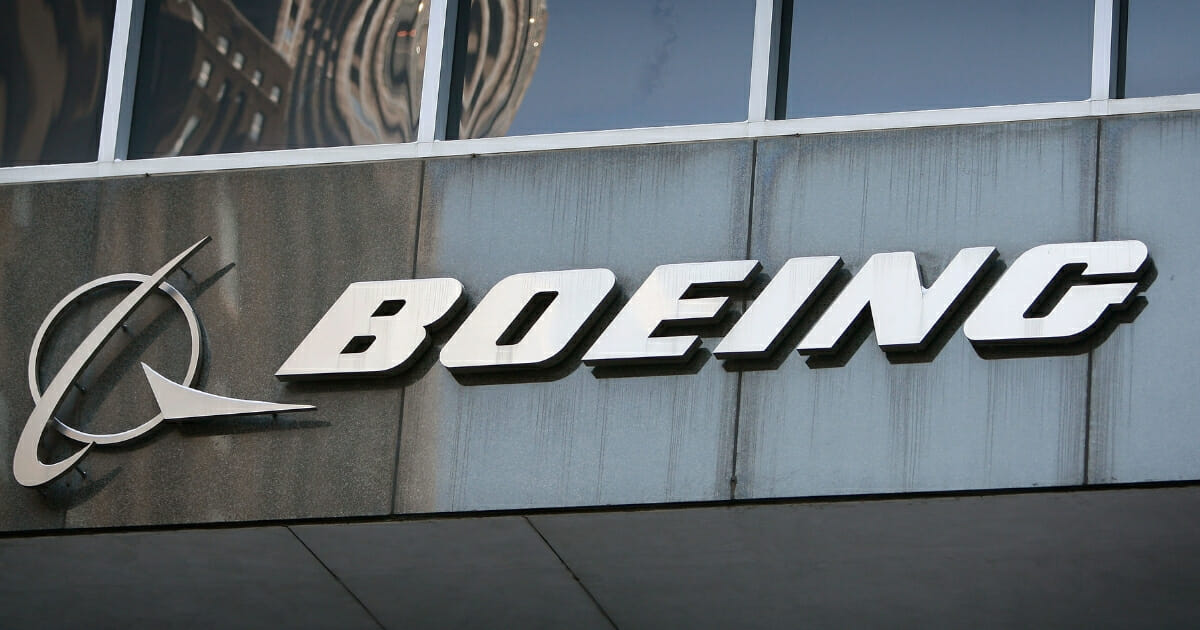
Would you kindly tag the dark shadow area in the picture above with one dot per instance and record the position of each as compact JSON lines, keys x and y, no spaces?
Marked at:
{"x":690,"y":365}
{"x":1091,"y":338}
{"x":302,"y":390}
{"x":155,"y":435}
{"x":231,"y":425}
{"x":76,"y":488}
{"x":53,"y":57}
{"x":195,"y":288}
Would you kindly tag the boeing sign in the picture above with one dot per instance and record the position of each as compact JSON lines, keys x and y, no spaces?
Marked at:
{"x":1049,"y":294}
{"x":533,"y":320}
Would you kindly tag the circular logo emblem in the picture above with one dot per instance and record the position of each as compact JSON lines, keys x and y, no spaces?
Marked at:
{"x":175,"y":401}
{"x":79,"y":295}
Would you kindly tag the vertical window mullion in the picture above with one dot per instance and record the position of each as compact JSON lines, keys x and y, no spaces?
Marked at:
{"x":122,"y":78}
{"x":1105,"y":49}
{"x":764,"y":61}
{"x":435,"y":84}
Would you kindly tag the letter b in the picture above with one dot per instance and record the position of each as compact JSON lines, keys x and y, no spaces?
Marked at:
{"x":374,"y":329}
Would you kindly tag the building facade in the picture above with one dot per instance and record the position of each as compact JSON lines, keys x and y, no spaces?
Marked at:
{"x":949,"y":481}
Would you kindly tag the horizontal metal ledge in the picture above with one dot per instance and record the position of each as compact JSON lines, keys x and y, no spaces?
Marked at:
{"x":606,"y":138}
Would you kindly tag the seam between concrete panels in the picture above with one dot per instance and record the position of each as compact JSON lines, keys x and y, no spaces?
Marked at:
{"x":416,"y":240}
{"x":1088,"y":407}
{"x":571,"y":572}
{"x":335,"y":577}
{"x":737,"y":404}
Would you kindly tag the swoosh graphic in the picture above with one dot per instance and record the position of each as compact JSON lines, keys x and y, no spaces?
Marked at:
{"x":179,"y":402}
{"x":27,"y":468}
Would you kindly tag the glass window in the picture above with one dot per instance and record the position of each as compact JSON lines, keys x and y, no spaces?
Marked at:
{"x":53,"y":72}
{"x":197,"y":16}
{"x":1162,"y":48}
{"x":277,"y":74}
{"x":205,"y":73}
{"x":544,"y":66}
{"x":863,"y":56}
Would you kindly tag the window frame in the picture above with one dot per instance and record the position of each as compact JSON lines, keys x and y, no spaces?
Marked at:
{"x":761,"y":121}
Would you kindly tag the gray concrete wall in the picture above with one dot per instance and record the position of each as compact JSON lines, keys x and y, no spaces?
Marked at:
{"x":288,"y":241}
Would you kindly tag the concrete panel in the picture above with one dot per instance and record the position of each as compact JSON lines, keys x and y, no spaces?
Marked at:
{"x":61,"y":220}
{"x":237,"y":578}
{"x":1145,"y":424}
{"x":1101,"y":559}
{"x":574,"y":436}
{"x":952,"y":419}
{"x":462,"y":573}
{"x":286,"y":244}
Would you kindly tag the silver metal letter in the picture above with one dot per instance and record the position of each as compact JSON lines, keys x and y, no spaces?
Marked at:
{"x":660,"y":299}
{"x":768,"y":319}
{"x":374,"y":329}
{"x":904,"y":312}
{"x":1001,"y":316}
{"x":576,"y":298}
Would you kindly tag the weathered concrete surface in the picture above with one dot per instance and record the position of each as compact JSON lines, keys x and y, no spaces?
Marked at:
{"x":1145,"y":420}
{"x":575,"y":436}
{"x":952,"y":419}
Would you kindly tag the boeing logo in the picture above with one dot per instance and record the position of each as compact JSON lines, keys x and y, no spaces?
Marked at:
{"x":176,"y":401}
{"x":1049,"y":294}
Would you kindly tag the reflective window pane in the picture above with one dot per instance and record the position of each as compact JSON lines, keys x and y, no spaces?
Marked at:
{"x":220,"y":76}
{"x":546,"y":66}
{"x":1162,"y":48}
{"x":863,"y":56}
{"x":53,"y":71}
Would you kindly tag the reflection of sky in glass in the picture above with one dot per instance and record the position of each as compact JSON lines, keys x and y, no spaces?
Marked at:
{"x":1162,"y":48}
{"x":639,"y":63}
{"x":861,"y":56}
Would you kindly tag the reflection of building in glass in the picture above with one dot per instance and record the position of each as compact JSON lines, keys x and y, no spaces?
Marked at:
{"x":503,"y":43}
{"x":53,"y":66}
{"x":329,"y":72}
{"x":209,"y":83}
{"x":357,"y":69}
